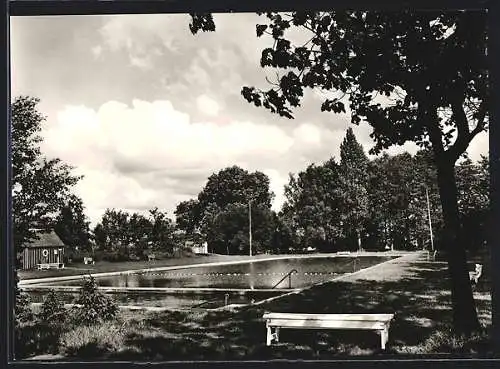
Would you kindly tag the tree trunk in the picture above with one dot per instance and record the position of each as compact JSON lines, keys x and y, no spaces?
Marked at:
{"x":465,"y":320}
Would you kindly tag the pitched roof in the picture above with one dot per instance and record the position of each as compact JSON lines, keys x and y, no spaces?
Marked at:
{"x":50,"y":239}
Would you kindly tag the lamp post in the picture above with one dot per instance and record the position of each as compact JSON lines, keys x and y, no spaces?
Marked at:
{"x":250,"y":225}
{"x":429,"y":215}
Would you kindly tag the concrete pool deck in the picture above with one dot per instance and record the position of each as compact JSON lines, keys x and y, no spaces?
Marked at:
{"x":39,"y":281}
{"x":382,"y":271}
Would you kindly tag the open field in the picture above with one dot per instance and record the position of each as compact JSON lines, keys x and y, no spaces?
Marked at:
{"x":415,"y":290}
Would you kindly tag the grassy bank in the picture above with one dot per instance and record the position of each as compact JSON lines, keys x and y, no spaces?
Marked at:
{"x":105,"y":266}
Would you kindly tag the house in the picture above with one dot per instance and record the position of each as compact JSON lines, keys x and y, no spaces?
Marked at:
{"x":48,"y":248}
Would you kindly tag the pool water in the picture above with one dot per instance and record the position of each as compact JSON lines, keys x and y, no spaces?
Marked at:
{"x":253,"y":276}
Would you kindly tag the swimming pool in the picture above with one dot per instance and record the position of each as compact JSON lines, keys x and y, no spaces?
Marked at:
{"x":230,"y":283}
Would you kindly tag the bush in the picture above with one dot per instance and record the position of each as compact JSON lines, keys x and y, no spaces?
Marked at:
{"x":22,"y":310}
{"x":90,"y":341}
{"x":115,"y":257}
{"x":33,"y":335}
{"x":52,"y":312}
{"x":95,"y":307}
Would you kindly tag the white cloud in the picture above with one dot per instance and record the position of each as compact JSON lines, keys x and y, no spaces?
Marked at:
{"x":308,"y":134}
{"x":148,"y":154}
{"x":97,"y":51}
{"x":207,"y":105}
{"x":144,"y":63}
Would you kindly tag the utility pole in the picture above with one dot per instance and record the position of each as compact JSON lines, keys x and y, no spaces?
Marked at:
{"x":250,"y":225}
{"x":429,"y":215}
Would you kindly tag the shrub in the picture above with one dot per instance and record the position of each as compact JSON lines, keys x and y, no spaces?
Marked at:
{"x":52,"y":311}
{"x":95,"y":307}
{"x":22,"y":310}
{"x":89,"y":341}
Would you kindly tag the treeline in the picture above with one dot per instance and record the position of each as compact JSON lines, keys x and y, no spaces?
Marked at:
{"x":338,"y":205}
{"x":347,"y":204}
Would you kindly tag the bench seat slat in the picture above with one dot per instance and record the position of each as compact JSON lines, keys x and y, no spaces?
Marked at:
{"x":334,"y":317}
{"x":326,"y":324}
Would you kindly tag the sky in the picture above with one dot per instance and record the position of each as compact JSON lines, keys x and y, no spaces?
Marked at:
{"x":146,"y":111}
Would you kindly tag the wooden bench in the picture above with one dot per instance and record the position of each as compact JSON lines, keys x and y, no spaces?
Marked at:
{"x":375,"y":322}
{"x":476,"y":274}
{"x":50,"y":266}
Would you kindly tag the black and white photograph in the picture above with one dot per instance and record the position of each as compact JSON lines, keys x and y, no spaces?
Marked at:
{"x":301,"y":185}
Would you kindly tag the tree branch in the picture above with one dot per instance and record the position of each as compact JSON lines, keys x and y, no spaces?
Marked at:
{"x":465,"y":136}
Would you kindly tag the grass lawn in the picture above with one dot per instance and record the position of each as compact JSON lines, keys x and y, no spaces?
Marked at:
{"x":416,"y":291}
{"x":104,"y":266}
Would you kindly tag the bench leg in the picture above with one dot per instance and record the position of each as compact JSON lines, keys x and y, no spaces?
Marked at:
{"x":384,"y":337}
{"x":272,"y":336}
{"x":269,"y":336}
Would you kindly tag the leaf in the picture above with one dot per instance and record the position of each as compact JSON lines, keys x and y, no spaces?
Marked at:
{"x":260,"y":28}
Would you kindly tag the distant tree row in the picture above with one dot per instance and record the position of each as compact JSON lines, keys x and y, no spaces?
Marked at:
{"x":336,"y":206}
{"x":120,"y":235}
{"x":346,"y":205}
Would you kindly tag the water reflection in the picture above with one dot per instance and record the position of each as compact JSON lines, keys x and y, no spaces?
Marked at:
{"x":253,"y":275}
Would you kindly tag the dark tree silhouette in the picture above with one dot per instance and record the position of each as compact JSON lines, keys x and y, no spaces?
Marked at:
{"x":413,"y":76}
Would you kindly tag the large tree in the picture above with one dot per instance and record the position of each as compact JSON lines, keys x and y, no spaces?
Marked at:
{"x":413,"y":76}
{"x":40,"y":186}
{"x":72,"y":226}
{"x":398,"y":188}
{"x":353,"y":183}
{"x":112,"y":233}
{"x":162,"y":233}
{"x":313,"y":205}
{"x":227,"y":193}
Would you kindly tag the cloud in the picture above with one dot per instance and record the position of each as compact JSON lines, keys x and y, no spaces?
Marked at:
{"x":150,"y":154}
{"x":97,"y":51}
{"x":308,"y":134}
{"x":207,"y":105}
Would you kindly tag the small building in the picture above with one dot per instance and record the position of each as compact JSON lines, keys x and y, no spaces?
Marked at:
{"x":197,"y":248}
{"x":47,"y":248}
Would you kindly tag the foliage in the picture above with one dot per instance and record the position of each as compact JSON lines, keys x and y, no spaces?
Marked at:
{"x":220,"y":213}
{"x":229,"y":230}
{"x":313,"y":205}
{"x":398,"y":204}
{"x":353,"y":186}
{"x":73,"y":227}
{"x":123,"y":236}
{"x":90,"y":341}
{"x":96,"y":307}
{"x":22,"y":310}
{"x":188,"y":217}
{"x":52,"y":312}
{"x":473,"y":201}
{"x":163,"y":231}
{"x":40,"y":186}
